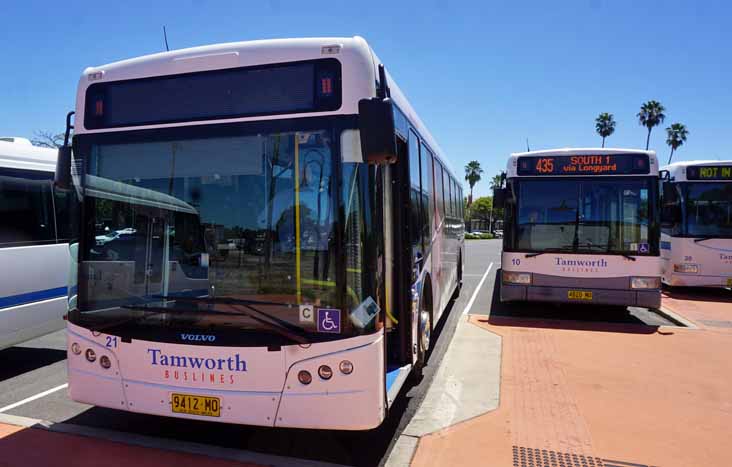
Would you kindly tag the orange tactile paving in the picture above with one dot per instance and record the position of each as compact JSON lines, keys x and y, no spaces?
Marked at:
{"x":711,"y":310}
{"x":30,"y":447}
{"x":598,"y":395}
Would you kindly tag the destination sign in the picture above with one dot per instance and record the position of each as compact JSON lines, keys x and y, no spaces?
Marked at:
{"x":709,"y":172}
{"x":614,"y":164}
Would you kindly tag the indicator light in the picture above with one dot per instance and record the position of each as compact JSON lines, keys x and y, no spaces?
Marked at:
{"x":645,"y":283}
{"x":90,"y":355}
{"x":326,"y":86}
{"x":105,"y":362}
{"x":346,"y":367}
{"x":325,"y":372}
{"x":305,"y":377}
{"x":686,"y":268}
{"x":511,"y":277}
{"x":75,"y":348}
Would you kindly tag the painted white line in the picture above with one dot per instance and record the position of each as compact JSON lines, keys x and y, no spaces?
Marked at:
{"x":32,"y":398}
{"x":477,"y":289}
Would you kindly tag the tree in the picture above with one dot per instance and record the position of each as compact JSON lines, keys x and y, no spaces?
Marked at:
{"x":676,"y":136}
{"x":650,"y":115}
{"x":481,"y":208}
{"x":496,"y":182}
{"x":46,"y":139}
{"x":472,"y":176}
{"x":605,"y":126}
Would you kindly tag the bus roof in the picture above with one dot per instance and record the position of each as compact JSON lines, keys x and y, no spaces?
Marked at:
{"x":21,"y":155}
{"x":677,"y":170}
{"x":513,"y":158}
{"x":359,"y":74}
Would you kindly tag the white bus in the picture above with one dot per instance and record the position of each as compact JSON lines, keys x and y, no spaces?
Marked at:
{"x":696,"y":224}
{"x":34,"y":243}
{"x":297,"y":186}
{"x":581,"y":225}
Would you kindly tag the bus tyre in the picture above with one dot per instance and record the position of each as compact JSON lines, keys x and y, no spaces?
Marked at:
{"x":424,"y":334}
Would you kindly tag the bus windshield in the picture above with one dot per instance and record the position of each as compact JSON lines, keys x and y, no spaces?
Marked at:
{"x":217,"y":229}
{"x":708,"y":209}
{"x":583,"y":215}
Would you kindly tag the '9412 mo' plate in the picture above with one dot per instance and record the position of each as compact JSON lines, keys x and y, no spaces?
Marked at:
{"x":579,"y":295}
{"x":195,"y":405}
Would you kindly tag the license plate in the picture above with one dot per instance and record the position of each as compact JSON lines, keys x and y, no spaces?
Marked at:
{"x":579,"y":295}
{"x":196,"y":405}
{"x":729,"y":282}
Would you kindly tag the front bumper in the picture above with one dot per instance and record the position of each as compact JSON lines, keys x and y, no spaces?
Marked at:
{"x":696,"y":280}
{"x":649,"y":298}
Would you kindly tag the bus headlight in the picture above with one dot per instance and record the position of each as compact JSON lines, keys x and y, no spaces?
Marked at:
{"x":346,"y":367}
{"x":76,"y":348}
{"x":645,"y":283}
{"x":687,"y":268}
{"x":510,"y":277}
{"x":305,"y":377}
{"x":90,"y":355}
{"x":105,"y":362}
{"x":325,"y":372}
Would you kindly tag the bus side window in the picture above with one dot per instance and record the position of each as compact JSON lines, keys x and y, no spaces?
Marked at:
{"x":440,"y":193}
{"x":427,"y":193}
{"x":27,"y":208}
{"x":416,"y":208}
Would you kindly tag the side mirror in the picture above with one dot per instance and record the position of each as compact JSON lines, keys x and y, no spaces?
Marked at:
{"x":376,"y":124}
{"x":499,"y":198}
{"x":62,"y":178}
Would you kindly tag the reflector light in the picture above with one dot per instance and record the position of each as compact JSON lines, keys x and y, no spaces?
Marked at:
{"x":326,"y":86}
{"x":346,"y":367}
{"x":75,"y":348}
{"x":325,"y":372}
{"x":305,"y":377}
{"x":90,"y":355}
{"x":105,"y":362}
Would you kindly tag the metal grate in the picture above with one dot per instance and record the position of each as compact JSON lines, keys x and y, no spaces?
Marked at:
{"x":530,"y":457}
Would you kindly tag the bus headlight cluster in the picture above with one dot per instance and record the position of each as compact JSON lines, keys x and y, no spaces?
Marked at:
{"x":645,"y":283}
{"x":511,"y":277}
{"x":91,"y":356}
{"x":325,"y":372}
{"x":687,"y":268}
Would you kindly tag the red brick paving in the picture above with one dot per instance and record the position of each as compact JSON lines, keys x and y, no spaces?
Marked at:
{"x":31,"y":447}
{"x":638,"y":394}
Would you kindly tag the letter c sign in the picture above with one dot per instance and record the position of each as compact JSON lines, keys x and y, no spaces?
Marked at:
{"x":307,"y":314}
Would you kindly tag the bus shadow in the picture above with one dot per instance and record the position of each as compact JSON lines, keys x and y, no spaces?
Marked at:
{"x":699,"y":294}
{"x":20,"y":360}
{"x":565,"y":316}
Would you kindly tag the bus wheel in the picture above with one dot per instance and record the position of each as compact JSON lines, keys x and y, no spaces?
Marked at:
{"x":424,"y":334}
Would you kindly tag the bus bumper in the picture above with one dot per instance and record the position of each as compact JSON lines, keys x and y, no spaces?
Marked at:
{"x":642,"y":298}
{"x":694,"y":280}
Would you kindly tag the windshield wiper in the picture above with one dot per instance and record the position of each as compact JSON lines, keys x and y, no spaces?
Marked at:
{"x":548,"y":250}
{"x":697,"y":240}
{"x":289,"y":330}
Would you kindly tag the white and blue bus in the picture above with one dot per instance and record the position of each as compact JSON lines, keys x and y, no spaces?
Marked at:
{"x":34,"y":243}
{"x":696,"y":224}
{"x":581,"y":226}
{"x":304,"y":234}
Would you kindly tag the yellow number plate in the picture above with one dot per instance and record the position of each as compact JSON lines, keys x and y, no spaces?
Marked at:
{"x":729,"y":282}
{"x":579,"y":295}
{"x":196,"y":405}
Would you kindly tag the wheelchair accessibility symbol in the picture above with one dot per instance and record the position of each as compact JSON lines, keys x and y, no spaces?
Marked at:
{"x":329,"y":320}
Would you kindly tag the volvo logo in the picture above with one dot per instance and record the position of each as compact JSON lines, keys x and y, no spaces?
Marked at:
{"x":198,"y":337}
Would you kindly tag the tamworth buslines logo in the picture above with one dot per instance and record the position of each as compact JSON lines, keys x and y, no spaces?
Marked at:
{"x":198,"y":369}
{"x":580,"y":265}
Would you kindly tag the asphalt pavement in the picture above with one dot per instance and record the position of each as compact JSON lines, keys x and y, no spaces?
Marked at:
{"x":33,"y":375}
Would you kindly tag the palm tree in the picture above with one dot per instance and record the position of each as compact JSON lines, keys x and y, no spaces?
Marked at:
{"x":472,"y":176}
{"x":496,"y":182}
{"x":650,"y":115}
{"x":676,"y":136}
{"x":605,"y":126}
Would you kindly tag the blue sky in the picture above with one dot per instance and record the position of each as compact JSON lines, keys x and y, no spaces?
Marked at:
{"x":483,"y":76}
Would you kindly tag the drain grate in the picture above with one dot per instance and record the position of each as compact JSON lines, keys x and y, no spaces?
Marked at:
{"x":531,"y":457}
{"x":716,"y":323}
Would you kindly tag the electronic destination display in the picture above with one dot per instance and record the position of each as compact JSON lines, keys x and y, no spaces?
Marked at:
{"x":709,"y":172}
{"x":606,"y":164}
